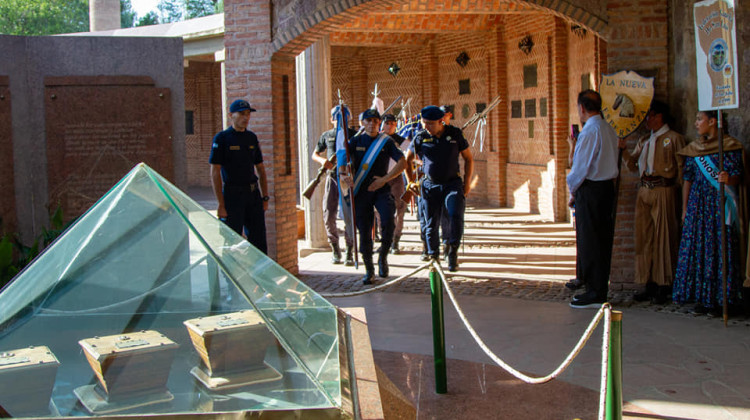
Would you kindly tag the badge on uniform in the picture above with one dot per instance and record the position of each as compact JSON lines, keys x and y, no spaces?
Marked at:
{"x":667,"y":141}
{"x":365,"y":166}
{"x":234,"y":147}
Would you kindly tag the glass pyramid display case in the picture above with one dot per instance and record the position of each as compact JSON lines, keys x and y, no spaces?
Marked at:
{"x":149,"y":305}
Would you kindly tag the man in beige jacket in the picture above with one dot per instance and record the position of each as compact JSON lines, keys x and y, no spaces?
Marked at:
{"x":657,"y":208}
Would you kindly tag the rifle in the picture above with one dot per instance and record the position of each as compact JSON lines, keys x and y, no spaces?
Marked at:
{"x":310,"y":189}
{"x":477,"y":116}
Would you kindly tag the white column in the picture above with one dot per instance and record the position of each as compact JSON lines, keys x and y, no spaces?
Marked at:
{"x":313,"y":118}
{"x":104,"y":15}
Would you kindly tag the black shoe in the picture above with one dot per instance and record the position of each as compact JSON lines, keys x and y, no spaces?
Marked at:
{"x":452,"y":258}
{"x":574,"y":284}
{"x":663,"y":295}
{"x":349,"y":257}
{"x":336,"y":254}
{"x":699,"y":309}
{"x":383,"y":265}
{"x":648,"y":293}
{"x":368,"y":278}
{"x":395,"y":249}
{"x":587,"y":300}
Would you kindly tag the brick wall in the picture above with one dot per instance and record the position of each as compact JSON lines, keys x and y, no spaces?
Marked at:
{"x":203,"y":98}
{"x":251,"y":75}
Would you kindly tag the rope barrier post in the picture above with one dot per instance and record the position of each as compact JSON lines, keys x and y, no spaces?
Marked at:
{"x":614,"y":369}
{"x":438,"y":332}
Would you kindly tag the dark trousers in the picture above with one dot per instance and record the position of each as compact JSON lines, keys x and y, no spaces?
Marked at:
{"x":365,"y":204}
{"x":331,"y":210}
{"x":595,"y":227}
{"x":244,"y":207}
{"x":439,"y":199}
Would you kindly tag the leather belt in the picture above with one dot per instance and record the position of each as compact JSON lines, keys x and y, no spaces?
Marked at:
{"x":652,"y":182}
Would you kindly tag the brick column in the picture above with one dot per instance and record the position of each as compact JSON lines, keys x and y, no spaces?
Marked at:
{"x":497,"y":159}
{"x":314,"y":104}
{"x":558,"y":115}
{"x":250,"y":74}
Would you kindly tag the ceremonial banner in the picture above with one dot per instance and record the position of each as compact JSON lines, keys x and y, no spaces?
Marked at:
{"x":716,"y":54}
{"x":626,"y":98}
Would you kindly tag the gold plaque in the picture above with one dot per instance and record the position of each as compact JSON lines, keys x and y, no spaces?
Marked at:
{"x":626,"y":98}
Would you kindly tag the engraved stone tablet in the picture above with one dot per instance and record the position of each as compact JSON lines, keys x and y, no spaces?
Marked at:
{"x":100,"y":127}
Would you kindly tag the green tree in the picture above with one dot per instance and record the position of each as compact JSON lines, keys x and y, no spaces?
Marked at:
{"x":199,"y":8}
{"x":151,"y":18}
{"x":171,"y":11}
{"x":127,"y":14}
{"x":43,"y":17}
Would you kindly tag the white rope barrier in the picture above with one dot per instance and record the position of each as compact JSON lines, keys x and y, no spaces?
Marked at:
{"x":376,"y":288}
{"x":604,"y":312}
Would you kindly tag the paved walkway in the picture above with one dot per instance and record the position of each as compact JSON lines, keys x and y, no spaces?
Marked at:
{"x":510,"y":285}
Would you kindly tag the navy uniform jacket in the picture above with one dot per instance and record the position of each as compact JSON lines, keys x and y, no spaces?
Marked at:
{"x":237,"y":152}
{"x":358,"y":146}
{"x":440,"y":155}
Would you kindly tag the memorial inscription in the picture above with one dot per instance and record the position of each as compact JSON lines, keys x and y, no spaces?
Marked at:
{"x":98,"y":128}
{"x":7,"y":188}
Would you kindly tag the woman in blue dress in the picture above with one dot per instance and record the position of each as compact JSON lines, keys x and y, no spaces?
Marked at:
{"x":699,"y":267}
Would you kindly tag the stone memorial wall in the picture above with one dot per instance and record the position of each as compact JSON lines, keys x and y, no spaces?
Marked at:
{"x":7,"y":189}
{"x":98,"y":128}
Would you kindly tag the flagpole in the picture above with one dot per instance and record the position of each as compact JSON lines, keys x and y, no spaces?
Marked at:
{"x":722,"y":216}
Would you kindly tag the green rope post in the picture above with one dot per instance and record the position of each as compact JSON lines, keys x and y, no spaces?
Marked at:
{"x":614,"y":369}
{"x":438,"y":332}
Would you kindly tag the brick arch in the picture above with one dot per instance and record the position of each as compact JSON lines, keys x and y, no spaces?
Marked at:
{"x":294,"y":28}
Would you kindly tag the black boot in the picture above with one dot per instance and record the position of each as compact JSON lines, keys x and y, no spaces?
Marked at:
{"x":425,"y":256}
{"x":349,"y":256}
{"x":395,"y":250}
{"x":452,"y":258}
{"x":336,"y":254}
{"x":663,"y":295}
{"x":383,"y":264}
{"x":648,"y":293}
{"x":369,"y":270}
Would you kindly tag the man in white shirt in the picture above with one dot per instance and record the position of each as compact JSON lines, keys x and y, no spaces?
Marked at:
{"x":592,"y":190}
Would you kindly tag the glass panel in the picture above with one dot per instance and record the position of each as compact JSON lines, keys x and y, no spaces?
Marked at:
{"x":149,"y":304}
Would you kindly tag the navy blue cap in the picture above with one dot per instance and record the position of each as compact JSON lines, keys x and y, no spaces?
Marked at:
{"x":432,"y":113}
{"x":369,"y":113}
{"x":240,"y":105}
{"x":389,"y":117}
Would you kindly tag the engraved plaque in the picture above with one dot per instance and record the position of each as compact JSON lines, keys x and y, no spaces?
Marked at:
{"x":530,"y":106}
{"x":516,"y":109}
{"x":529,"y":76}
{"x":7,"y":189}
{"x":464,"y":87}
{"x":98,"y":128}
{"x":542,"y":107}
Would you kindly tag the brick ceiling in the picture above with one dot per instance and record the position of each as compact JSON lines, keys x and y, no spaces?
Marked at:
{"x":416,"y":22}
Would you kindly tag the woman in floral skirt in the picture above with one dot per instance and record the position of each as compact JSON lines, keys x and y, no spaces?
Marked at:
{"x":699,"y":267}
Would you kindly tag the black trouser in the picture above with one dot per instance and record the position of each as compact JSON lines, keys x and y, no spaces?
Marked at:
{"x":594,"y":234}
{"x":244,"y":207}
{"x":364,"y":205}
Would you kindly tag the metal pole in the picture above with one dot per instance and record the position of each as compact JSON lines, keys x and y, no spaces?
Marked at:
{"x":723,"y":237}
{"x":438,"y":332}
{"x":614,"y":369}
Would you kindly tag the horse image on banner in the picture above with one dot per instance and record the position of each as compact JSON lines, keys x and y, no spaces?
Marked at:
{"x":626,"y":98}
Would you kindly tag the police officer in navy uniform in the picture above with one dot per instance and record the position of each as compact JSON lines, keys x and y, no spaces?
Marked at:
{"x":438,"y":147}
{"x":374,"y":191}
{"x":239,"y":177}
{"x":327,"y":144}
